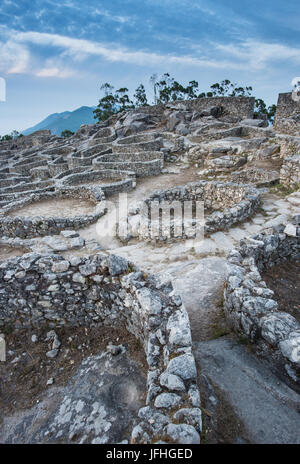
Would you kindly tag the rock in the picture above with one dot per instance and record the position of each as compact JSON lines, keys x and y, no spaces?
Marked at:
{"x":52,"y":354}
{"x":290,"y":348}
{"x":183,"y":434}
{"x":254,"y":122}
{"x":115,"y":349}
{"x":172,"y":382}
{"x":76,"y":242}
{"x":179,"y":329}
{"x":182,"y":129}
{"x":277,"y":327}
{"x":190,"y":416}
{"x":87,"y":269}
{"x":156,"y":419}
{"x":214,"y":111}
{"x":50,"y":381}
{"x":61,"y":266}
{"x":291,"y":230}
{"x":69,"y":233}
{"x":77,"y":277}
{"x":183,"y":366}
{"x":34,"y":338}
{"x":117,"y":265}
{"x":150,"y":301}
{"x":174,"y":119}
{"x":167,"y":400}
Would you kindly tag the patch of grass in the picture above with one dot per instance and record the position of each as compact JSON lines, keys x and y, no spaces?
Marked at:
{"x":7,"y":329}
{"x":221,"y":332}
{"x":242,"y":340}
{"x":261,"y":210}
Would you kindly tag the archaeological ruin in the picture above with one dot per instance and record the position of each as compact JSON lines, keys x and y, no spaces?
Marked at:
{"x":69,"y":262}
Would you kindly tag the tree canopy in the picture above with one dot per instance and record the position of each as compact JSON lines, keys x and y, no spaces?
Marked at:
{"x":166,"y":89}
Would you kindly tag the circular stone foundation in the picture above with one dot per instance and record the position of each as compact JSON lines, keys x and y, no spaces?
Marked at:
{"x":186,"y":211}
{"x":49,"y":213}
{"x":110,"y":181}
{"x":63,"y":207}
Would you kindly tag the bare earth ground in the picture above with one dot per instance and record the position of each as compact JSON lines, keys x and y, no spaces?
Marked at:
{"x":10,"y":252}
{"x":284,"y":280}
{"x":64,"y":207}
{"x":31,"y":381}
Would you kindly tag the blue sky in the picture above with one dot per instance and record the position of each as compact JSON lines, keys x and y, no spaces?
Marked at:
{"x":54,"y":55}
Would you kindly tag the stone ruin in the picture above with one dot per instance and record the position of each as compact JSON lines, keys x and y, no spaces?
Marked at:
{"x":55,"y":271}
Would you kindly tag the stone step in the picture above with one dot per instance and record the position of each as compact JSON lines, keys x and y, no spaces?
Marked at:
{"x":280,"y":219}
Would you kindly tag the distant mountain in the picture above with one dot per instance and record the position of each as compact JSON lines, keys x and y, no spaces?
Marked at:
{"x":70,"y":120}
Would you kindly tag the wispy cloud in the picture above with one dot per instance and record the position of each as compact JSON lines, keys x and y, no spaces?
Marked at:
{"x":16,"y":55}
{"x":79,"y":48}
{"x":112,"y":17}
{"x":259,"y":54}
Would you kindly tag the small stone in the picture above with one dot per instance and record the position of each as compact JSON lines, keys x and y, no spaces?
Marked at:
{"x":50,"y":381}
{"x":184,"y":366}
{"x":87,"y":269}
{"x":291,"y":230}
{"x":167,"y":400}
{"x":117,"y":265}
{"x":183,"y":434}
{"x":69,"y":233}
{"x":61,"y":266}
{"x":77,"y":277}
{"x":34,"y":338}
{"x":52,"y":353}
{"x":115,"y":349}
{"x":76,"y":242}
{"x":172,"y":382}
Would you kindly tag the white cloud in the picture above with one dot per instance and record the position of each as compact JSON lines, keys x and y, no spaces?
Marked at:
{"x":117,"y":18}
{"x":259,"y":54}
{"x":14,"y":58}
{"x":79,"y":48}
{"x":15,"y":55}
{"x":54,"y":72}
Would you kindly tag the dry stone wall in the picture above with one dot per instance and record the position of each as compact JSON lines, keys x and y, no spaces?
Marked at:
{"x":26,"y":227}
{"x":106,"y":290}
{"x":232,"y":203}
{"x":287,"y":120}
{"x":249,"y":305}
{"x":290,"y":172}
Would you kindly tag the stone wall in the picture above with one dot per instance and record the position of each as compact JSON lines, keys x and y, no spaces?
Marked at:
{"x":249,"y":305}
{"x":119,"y":181}
{"x":231,"y":203}
{"x":106,"y":290}
{"x":287,"y":118}
{"x":26,"y":227}
{"x":239,"y":107}
{"x":290,"y":172}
